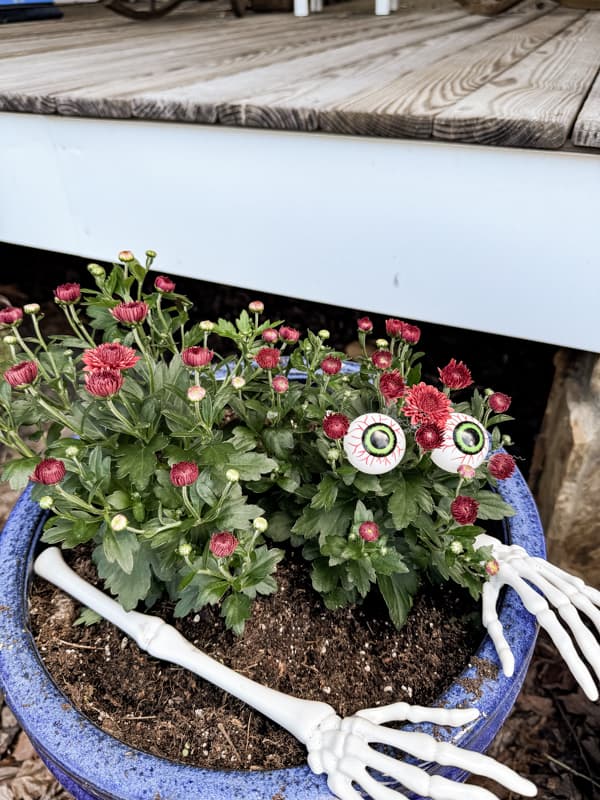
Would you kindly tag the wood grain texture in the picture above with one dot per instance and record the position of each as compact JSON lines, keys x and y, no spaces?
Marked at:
{"x":487,"y":7}
{"x":408,"y":106}
{"x":414,"y":73}
{"x":586,"y":132}
{"x":534,"y":103}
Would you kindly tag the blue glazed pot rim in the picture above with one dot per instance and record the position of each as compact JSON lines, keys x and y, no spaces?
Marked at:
{"x":95,"y":759}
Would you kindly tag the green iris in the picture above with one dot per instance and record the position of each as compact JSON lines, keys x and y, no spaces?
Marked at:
{"x":469,"y":438}
{"x":379,"y":440}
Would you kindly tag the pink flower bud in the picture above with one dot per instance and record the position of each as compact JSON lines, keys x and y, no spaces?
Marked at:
{"x":184,"y":473}
{"x":280,"y":384}
{"x":369,"y":531}
{"x":382,"y":359}
{"x":501,"y":466}
{"x":392,"y":386}
{"x":256,"y":307}
{"x":49,"y":471}
{"x":394,"y":327}
{"x":335,"y":426}
{"x":364,"y":324}
{"x":411,"y":333}
{"x":104,"y":382}
{"x":164,"y":284}
{"x":125,"y":256}
{"x":429,"y":436}
{"x":134,"y":312}
{"x":464,"y":509}
{"x":223,"y":544}
{"x":466,"y":471}
{"x":21,"y":374}
{"x":268,"y":358}
{"x":455,"y":375}
{"x":10,"y":315}
{"x":289,"y":335}
{"x":331,"y":365}
{"x":67,"y":293}
{"x":197,"y":356}
{"x":499,"y":402}
{"x":270,"y":335}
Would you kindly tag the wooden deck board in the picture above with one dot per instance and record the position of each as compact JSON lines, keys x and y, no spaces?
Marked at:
{"x":431,"y":70}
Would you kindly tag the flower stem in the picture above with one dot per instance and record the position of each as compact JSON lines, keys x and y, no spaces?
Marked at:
{"x":78,"y":325}
{"x":130,"y":430}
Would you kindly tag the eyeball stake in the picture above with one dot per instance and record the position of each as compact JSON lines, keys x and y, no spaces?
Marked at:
{"x":465,"y":443}
{"x":375,"y":443}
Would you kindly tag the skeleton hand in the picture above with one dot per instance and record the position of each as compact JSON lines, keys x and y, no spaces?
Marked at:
{"x":564,"y":591}
{"x":341,"y":748}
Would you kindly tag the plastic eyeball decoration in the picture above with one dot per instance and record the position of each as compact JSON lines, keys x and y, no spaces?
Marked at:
{"x":375,"y":443}
{"x":465,"y":443}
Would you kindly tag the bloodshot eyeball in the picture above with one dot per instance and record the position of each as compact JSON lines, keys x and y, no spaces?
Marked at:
{"x":375,"y":443}
{"x":465,"y":443}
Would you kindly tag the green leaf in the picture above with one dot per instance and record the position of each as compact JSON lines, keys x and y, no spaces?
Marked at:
{"x":121,"y":548}
{"x":278,"y":442}
{"x":223,"y":455}
{"x":18,"y":472}
{"x":324,"y":578}
{"x":136,"y":462}
{"x":87,"y":617}
{"x":236,"y":610}
{"x":263,"y":564}
{"x":398,"y":592}
{"x":492,"y":506}
{"x":402,"y":505}
{"x":280,"y":526}
{"x":315,"y":522}
{"x":361,"y":575}
{"x":327,"y":492}
{"x":118,"y":500}
{"x":129,"y":587}
{"x":243,"y":439}
{"x":497,"y":419}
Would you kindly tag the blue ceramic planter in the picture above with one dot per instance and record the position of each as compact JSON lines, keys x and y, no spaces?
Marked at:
{"x":94,"y":766}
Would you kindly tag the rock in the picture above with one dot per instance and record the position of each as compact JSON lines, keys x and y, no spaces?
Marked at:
{"x":565,"y":474}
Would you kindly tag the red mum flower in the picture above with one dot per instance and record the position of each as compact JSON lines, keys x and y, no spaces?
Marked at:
{"x":268,"y":357}
{"x":492,"y":567}
{"x":336,"y":426}
{"x":426,"y":404}
{"x":184,"y":473}
{"x":164,"y":284}
{"x":394,"y":327}
{"x":68,"y":292}
{"x":104,"y":382}
{"x":364,"y":324}
{"x":21,"y":374}
{"x":289,"y":335}
{"x":411,"y":333}
{"x":134,"y":312}
{"x":429,"y":436}
{"x":280,"y":384}
{"x":382,"y":359}
{"x":270,"y":335}
{"x":369,"y":531}
{"x":223,"y":544}
{"x":197,"y":356}
{"x":455,"y":375}
{"x":464,"y":510}
{"x":10,"y":315}
{"x":499,"y":402}
{"x":501,"y":466}
{"x":110,"y":355}
{"x":49,"y":471}
{"x":391,"y":385}
{"x":331,"y":365}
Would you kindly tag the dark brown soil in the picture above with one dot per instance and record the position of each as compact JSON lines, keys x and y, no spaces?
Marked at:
{"x":351,"y":659}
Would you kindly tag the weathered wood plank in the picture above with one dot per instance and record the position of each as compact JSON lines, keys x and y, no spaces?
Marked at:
{"x":586,"y":132}
{"x":408,"y":106}
{"x":486,"y":7}
{"x":535,"y":103}
{"x":299,"y":104}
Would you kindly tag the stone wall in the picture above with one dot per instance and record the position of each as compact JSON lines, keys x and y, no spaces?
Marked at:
{"x":565,"y":474}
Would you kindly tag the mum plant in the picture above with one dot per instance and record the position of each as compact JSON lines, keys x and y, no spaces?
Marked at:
{"x":185,"y":468}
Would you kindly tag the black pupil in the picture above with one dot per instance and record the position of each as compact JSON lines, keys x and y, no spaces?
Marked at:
{"x":468,"y":437}
{"x":379,"y":440}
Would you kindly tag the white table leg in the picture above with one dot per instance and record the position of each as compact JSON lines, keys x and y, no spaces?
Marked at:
{"x":301,"y":8}
{"x":316,"y":5}
{"x":382,"y":7}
